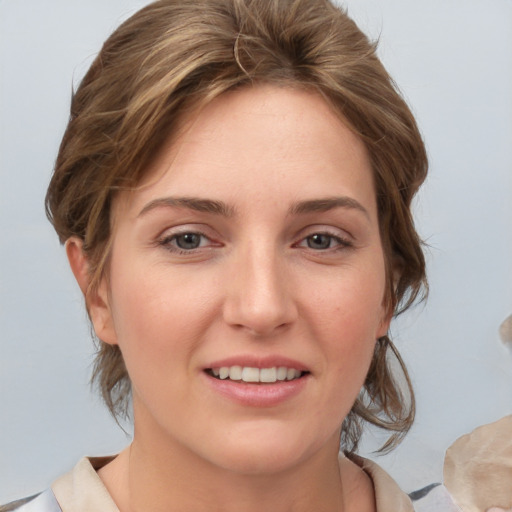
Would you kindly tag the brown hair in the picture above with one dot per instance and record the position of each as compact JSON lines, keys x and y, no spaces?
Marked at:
{"x":175,"y":55}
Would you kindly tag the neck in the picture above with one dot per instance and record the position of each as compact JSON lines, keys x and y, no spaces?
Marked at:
{"x":164,"y":484}
{"x":156,"y":474}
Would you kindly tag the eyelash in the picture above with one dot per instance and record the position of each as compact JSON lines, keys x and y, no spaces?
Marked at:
{"x":170,"y":242}
{"x":342,"y":243}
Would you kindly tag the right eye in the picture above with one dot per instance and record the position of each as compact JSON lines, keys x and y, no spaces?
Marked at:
{"x":185,"y":242}
{"x":188,"y":241}
{"x":324,"y":242}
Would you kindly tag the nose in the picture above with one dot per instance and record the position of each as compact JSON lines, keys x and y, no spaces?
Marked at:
{"x":259,"y":298}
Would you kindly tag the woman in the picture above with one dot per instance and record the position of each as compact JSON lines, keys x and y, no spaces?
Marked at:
{"x":233,"y":190}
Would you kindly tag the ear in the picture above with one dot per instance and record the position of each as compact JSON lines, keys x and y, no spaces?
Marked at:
{"x":96,"y":300}
{"x":389,"y":310}
{"x":78,"y":263}
{"x":385,"y":322}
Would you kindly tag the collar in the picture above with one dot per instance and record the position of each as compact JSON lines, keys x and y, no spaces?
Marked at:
{"x":81,"y":490}
{"x":388,"y":496}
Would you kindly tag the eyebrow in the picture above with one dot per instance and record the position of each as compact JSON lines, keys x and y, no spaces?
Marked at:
{"x":223,"y":209}
{"x":191,"y":203}
{"x":326,"y":204}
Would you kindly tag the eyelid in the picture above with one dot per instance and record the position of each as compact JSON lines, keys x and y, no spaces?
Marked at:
{"x":341,"y":242}
{"x":168,"y":236}
{"x":325,"y":229}
{"x":344,"y":238}
{"x":181,"y":229}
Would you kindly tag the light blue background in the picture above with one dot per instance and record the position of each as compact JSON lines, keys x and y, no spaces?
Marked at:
{"x":453,"y":61}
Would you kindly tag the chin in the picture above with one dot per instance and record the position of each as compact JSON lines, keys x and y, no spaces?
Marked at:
{"x":259,"y":461}
{"x":263,"y":451}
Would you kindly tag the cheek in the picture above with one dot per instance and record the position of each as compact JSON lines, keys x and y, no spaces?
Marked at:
{"x":158,"y":318}
{"x":349,"y":306}
{"x":348,"y":336}
{"x":158,"y":330}
{"x":347,"y":317}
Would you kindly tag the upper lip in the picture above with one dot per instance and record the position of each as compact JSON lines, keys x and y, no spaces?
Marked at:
{"x":253,"y":361}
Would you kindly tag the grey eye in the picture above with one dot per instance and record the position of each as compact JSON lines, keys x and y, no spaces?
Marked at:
{"x":188,"y":241}
{"x":319,"y":241}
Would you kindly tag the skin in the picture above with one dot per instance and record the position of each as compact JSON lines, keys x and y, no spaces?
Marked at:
{"x":269,"y":277}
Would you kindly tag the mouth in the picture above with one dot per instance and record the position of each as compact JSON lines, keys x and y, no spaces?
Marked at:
{"x":256,"y":375}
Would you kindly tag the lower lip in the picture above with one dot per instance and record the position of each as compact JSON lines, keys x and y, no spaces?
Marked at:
{"x":258,"y":395}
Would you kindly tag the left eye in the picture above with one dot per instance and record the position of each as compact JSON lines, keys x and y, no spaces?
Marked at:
{"x":188,"y":240}
{"x":185,"y":241}
{"x":323,"y":241}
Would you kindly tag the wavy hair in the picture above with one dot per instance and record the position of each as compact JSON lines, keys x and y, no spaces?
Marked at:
{"x":174,"y":56}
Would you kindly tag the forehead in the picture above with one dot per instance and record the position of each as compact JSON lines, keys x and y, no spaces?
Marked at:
{"x":261,"y":141}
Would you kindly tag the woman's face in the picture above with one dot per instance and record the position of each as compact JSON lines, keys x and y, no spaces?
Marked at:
{"x":246,"y":283}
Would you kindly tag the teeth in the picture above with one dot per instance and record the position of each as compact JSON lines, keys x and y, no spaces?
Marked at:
{"x":268,"y":375}
{"x":235,"y":373}
{"x":249,"y":374}
{"x":281,"y":373}
{"x":291,"y":374}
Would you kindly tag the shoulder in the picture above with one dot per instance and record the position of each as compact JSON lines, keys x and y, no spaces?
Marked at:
{"x":43,"y":502}
{"x":388,"y":495}
{"x":80,"y":490}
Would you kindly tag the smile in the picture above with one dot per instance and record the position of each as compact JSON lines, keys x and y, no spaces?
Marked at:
{"x":256,"y":375}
